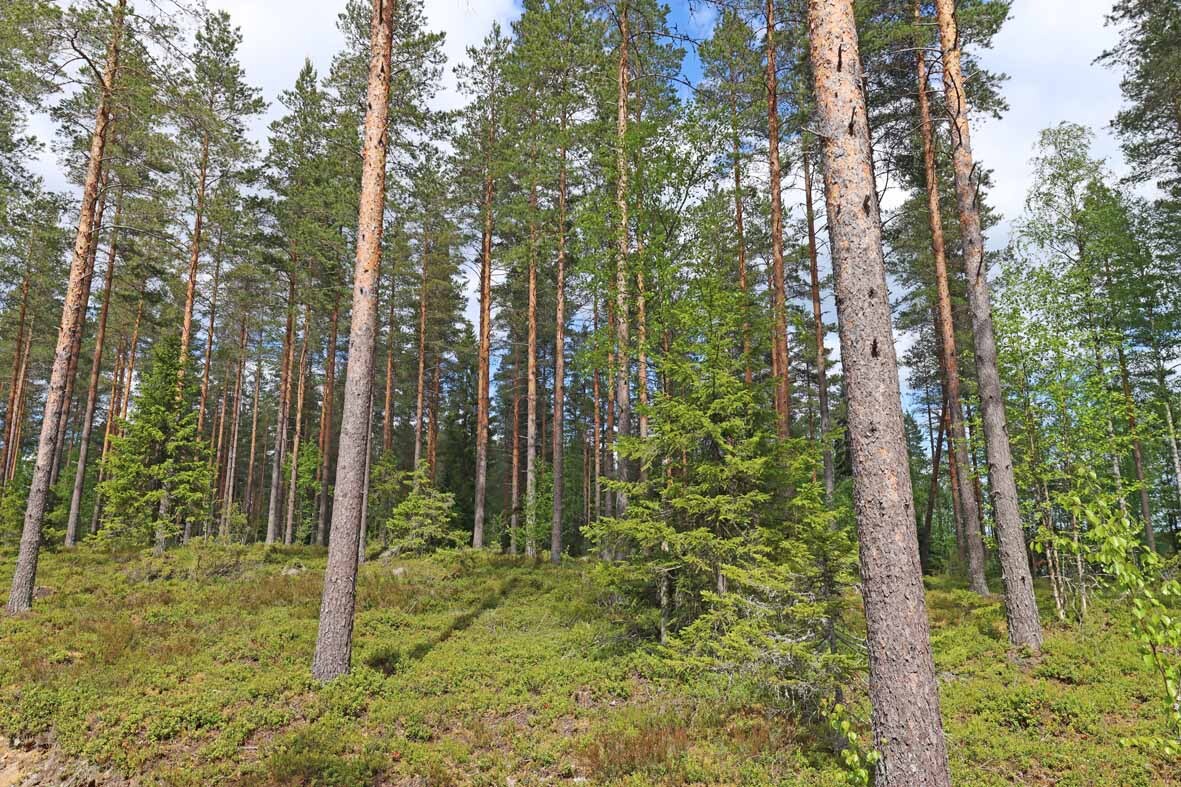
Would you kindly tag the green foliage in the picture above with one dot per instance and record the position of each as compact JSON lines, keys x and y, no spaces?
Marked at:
{"x":190,"y":668}
{"x":1155,"y":601}
{"x":859,"y":762}
{"x":421,"y":522}
{"x":157,"y":474}
{"x":727,"y":537}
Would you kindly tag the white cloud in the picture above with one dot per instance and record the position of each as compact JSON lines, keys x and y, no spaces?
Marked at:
{"x":1047,"y":48}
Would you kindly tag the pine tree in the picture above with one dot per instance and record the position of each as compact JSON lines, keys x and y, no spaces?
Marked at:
{"x":908,"y":730}
{"x":334,"y":641}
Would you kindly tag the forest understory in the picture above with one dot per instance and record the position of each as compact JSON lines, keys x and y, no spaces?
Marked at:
{"x":191,"y":669}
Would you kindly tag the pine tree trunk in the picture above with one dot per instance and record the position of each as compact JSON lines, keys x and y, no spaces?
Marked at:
{"x":186,"y":326}
{"x":73,"y":315}
{"x":76,"y":347}
{"x":248,"y":499}
{"x":558,"y":458}
{"x":387,"y":418}
{"x":219,"y":433}
{"x":779,"y":353}
{"x":334,"y":640}
{"x":908,"y":730}
{"x":118,"y":394}
{"x":945,"y":330}
{"x":232,"y":454}
{"x":597,"y":417}
{"x":18,"y":419}
{"x":818,"y":325}
{"x":932,"y":494}
{"x":18,"y":356}
{"x":209,"y":338}
{"x":515,"y":495}
{"x":130,"y":362}
{"x":420,"y":397}
{"x":531,"y":387}
{"x":301,"y":386}
{"x":622,"y":342}
{"x":432,"y":435}
{"x":92,"y":389}
{"x":362,"y":537}
{"x":484,"y":361}
{"x":284,"y":408}
{"x":739,"y":225}
{"x":1020,"y":606}
{"x":326,"y":415}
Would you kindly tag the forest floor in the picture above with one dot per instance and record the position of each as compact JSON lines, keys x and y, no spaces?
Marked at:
{"x":193,"y":669}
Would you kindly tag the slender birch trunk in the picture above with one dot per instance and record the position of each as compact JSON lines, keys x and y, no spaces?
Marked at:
{"x":908,"y":729}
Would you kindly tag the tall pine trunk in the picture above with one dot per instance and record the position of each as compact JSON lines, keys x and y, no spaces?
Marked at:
{"x":73,"y":315}
{"x":18,"y":417}
{"x":555,"y":546}
{"x":186,"y":326}
{"x":301,"y":370}
{"x":818,"y":327}
{"x":387,"y":418}
{"x":209,"y":336}
{"x":515,"y":484}
{"x":284,"y":407}
{"x":531,"y":459}
{"x":484,"y":361}
{"x":334,"y":640}
{"x":14,"y":390}
{"x":76,"y":347}
{"x":1025,"y":628}
{"x":326,"y":414}
{"x":248,"y":498}
{"x":622,"y":341}
{"x":779,"y":352}
{"x":100,"y":335}
{"x":945,"y":330}
{"x":420,"y":396}
{"x":232,"y":452}
{"x":908,"y":730}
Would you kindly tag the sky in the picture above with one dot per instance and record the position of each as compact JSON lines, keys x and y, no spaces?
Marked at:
{"x":1047,"y":49}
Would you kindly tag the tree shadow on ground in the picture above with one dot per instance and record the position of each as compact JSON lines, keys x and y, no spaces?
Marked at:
{"x":389,"y":660}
